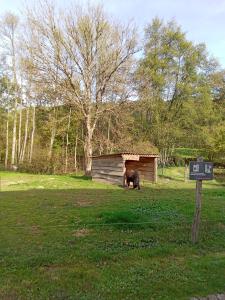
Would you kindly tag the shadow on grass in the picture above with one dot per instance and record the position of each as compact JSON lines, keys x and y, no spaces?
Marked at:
{"x":171,"y":178}
{"x":81,"y":177}
{"x":219,"y":179}
{"x":48,"y":241}
{"x":110,"y":205}
{"x":218,"y":184}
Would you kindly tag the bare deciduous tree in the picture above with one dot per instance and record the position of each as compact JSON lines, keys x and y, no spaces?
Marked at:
{"x":87,"y":56}
{"x":8,"y":27}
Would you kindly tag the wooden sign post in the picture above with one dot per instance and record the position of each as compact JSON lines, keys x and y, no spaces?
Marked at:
{"x":198,"y":207}
{"x":199,"y":171}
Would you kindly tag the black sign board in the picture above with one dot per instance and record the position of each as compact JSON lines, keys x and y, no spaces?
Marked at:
{"x":200,"y":170}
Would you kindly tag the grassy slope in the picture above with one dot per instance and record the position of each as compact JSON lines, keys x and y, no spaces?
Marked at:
{"x":62,"y":237}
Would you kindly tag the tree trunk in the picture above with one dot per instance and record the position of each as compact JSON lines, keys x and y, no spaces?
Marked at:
{"x":88,"y":154}
{"x":19,"y":134}
{"x":75,"y":154}
{"x":13,"y":158}
{"x":88,"y":145}
{"x":23,"y":150}
{"x":108,"y":135}
{"x":32,"y":136}
{"x":67,"y":142}
{"x":51,"y":143}
{"x":53,"y":133}
{"x":7,"y":141}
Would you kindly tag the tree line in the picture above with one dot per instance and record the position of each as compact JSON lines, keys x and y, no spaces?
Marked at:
{"x":76,"y":83}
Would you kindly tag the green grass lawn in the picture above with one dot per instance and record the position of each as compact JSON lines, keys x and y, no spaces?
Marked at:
{"x":65,"y":237}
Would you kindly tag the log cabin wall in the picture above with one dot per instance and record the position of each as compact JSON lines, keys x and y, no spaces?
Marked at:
{"x":145,"y":166}
{"x":108,"y":169}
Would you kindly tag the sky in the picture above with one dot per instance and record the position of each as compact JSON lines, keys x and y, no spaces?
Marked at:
{"x":202,"y":20}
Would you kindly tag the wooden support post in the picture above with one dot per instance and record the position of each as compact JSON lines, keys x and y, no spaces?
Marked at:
{"x":124,"y":171}
{"x":198,"y":206}
{"x":155,"y":169}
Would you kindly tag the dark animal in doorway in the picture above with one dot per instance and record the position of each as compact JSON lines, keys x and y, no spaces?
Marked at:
{"x":132,"y":176}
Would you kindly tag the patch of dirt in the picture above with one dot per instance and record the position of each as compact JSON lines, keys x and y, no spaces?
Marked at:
{"x":83,"y":203}
{"x":35,"y":230}
{"x":221,"y":226}
{"x":210,"y":297}
{"x":7,"y":182}
{"x":9,"y":295}
{"x":81,"y":232}
{"x":21,"y":181}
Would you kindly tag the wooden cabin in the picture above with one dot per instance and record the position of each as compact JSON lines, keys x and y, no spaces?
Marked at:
{"x":112,"y":167}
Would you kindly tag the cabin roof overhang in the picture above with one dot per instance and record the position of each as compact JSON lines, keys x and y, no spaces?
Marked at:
{"x":127,"y":156}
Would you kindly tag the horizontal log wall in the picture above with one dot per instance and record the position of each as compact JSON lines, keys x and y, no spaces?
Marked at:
{"x":145,"y":167}
{"x":108,"y":169}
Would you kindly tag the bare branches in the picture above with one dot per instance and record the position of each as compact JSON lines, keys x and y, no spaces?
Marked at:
{"x":83,"y":47}
{"x":84,"y":55}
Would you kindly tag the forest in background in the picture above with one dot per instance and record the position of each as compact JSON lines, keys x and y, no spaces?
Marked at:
{"x":78,"y":83}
